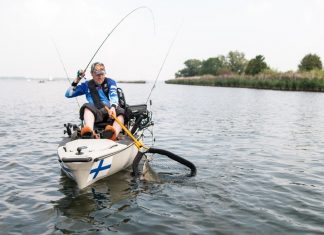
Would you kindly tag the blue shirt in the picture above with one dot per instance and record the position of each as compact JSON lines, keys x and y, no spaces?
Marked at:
{"x":83,"y":89}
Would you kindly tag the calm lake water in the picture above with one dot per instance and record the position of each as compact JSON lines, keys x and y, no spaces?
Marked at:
{"x":259,"y":156}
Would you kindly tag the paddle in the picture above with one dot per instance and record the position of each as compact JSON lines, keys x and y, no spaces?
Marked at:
{"x":138,"y":143}
{"x":141,"y":146}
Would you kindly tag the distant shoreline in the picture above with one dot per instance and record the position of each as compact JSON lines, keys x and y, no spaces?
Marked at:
{"x":138,"y":81}
{"x":32,"y":78}
{"x":59,"y":79}
{"x":284,"y":81}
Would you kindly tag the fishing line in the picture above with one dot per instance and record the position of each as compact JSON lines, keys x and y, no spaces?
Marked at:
{"x":141,"y":7}
{"x":60,"y":58}
{"x":62,"y":63}
{"x":165,"y":58}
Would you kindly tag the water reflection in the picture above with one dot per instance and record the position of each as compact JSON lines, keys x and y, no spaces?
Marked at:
{"x":104,"y":205}
{"x":96,"y":202}
{"x":106,"y":191}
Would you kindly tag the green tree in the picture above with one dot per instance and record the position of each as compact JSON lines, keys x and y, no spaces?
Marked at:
{"x":256,"y":65}
{"x":213,"y":65}
{"x":193,"y":67}
{"x":310,"y":62}
{"x":236,"y":61}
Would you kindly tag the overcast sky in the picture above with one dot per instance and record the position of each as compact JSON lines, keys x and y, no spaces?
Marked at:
{"x":281,"y":30}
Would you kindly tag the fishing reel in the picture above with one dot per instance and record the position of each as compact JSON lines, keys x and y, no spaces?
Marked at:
{"x":146,"y":120}
{"x":69,"y":127}
{"x":139,"y":117}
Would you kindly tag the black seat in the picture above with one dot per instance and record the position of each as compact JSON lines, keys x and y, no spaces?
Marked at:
{"x":102,"y":125}
{"x":122,"y":103}
{"x":136,"y":116}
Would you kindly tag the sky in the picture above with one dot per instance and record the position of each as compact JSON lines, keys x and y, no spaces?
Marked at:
{"x":283,"y":31}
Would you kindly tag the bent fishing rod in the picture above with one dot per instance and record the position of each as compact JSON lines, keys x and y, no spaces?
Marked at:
{"x":162,"y":65}
{"x":116,"y":26}
{"x":138,"y":157}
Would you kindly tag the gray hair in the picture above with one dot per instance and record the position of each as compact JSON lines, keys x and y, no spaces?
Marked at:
{"x":95,"y":64}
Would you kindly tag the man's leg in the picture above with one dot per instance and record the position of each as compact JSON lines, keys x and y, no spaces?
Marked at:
{"x":116,"y":126}
{"x":89,"y":118}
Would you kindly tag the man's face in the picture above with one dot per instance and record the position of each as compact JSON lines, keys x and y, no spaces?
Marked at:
{"x":99,"y":79}
{"x":99,"y":74}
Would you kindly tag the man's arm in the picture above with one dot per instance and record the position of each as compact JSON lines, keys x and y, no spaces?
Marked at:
{"x":75,"y":89}
{"x":113,"y":96}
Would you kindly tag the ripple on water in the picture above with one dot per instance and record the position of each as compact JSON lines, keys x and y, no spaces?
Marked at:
{"x":259,"y":156}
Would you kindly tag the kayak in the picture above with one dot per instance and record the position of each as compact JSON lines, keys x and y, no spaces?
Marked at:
{"x":89,"y":160}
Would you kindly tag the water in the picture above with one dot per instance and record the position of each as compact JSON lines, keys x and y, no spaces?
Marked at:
{"x":259,"y":156}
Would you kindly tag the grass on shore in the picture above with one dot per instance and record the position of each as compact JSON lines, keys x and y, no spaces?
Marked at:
{"x":301,"y":81}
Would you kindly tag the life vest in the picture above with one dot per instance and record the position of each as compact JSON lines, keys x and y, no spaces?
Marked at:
{"x":94,"y":92}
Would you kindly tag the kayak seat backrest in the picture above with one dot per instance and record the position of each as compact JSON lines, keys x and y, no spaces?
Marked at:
{"x":121,"y":98}
{"x":134,"y":111}
{"x":139,"y":115}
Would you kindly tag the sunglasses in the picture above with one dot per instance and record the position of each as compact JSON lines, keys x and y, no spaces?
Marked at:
{"x":99,"y":72}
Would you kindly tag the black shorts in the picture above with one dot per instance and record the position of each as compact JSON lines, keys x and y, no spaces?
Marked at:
{"x":101,"y":115}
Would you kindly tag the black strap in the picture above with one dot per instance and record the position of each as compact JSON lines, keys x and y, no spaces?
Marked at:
{"x":94,"y":93}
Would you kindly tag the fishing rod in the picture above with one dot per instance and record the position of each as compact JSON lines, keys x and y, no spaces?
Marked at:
{"x":143,"y":149}
{"x":131,"y":12}
{"x":62,"y":63}
{"x":165,"y":58}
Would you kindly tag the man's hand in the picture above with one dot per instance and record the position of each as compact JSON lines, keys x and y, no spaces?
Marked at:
{"x":112,"y":112}
{"x":80,"y":74}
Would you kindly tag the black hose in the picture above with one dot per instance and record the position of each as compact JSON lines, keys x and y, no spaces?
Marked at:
{"x":173,"y":156}
{"x":176,"y":158}
{"x":136,"y":161}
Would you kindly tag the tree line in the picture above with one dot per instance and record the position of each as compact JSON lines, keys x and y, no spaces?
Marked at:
{"x":236,"y":63}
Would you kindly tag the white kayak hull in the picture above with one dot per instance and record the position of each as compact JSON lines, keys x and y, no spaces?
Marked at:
{"x":89,"y":160}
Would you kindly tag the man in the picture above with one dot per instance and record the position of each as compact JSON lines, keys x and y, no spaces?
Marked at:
{"x":100,"y":92}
